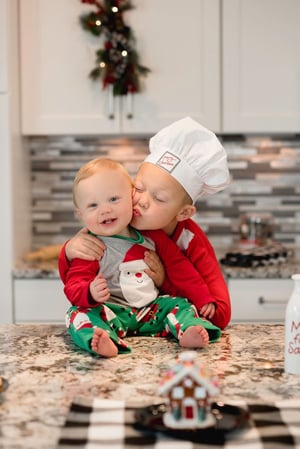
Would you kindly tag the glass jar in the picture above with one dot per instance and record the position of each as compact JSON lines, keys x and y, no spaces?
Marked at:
{"x":256,"y":229}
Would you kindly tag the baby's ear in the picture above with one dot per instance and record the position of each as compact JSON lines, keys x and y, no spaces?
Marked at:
{"x":78,"y":213}
{"x":186,"y":212}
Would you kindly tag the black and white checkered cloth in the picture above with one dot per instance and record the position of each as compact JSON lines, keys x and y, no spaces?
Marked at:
{"x":109,"y":424}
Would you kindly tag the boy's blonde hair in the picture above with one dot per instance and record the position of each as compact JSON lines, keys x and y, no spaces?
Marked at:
{"x":94,"y":166}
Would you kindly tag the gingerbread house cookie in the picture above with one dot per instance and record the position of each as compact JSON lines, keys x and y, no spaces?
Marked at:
{"x":189,"y":388}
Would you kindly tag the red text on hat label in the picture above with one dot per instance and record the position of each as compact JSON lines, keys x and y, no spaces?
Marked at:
{"x":168,"y":161}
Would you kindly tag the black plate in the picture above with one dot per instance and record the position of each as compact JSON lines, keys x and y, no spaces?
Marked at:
{"x":228,"y":418}
{"x":4,"y":385}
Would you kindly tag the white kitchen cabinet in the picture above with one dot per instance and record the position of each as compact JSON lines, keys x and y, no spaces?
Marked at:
{"x":261,"y":66}
{"x":6,"y":222}
{"x":39,"y":300}
{"x":179,"y":42}
{"x":259,"y":300}
{"x":15,"y":223}
{"x":3,"y":47}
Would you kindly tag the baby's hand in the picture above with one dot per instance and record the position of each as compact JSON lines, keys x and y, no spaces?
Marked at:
{"x":99,"y":290}
{"x":208,"y":310}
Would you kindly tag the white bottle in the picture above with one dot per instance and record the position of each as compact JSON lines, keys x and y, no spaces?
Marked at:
{"x":292,"y":330}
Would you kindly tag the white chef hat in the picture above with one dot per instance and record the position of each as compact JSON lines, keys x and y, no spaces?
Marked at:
{"x":193,"y":155}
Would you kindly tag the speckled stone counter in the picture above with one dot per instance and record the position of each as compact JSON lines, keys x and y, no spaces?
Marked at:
{"x":36,"y":270}
{"x":280,"y":271}
{"x":285,"y":270}
{"x":45,"y":372}
{"x":277,"y":270}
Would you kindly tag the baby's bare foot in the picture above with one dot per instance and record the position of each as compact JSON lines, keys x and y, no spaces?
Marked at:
{"x":102,"y":344}
{"x":194,"y":337}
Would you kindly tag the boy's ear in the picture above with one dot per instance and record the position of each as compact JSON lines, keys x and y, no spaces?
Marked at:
{"x":186,"y":212}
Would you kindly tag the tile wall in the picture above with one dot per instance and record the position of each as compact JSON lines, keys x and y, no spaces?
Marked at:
{"x":265,"y":178}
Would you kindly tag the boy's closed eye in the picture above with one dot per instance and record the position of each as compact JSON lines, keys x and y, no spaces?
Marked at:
{"x":159,"y":199}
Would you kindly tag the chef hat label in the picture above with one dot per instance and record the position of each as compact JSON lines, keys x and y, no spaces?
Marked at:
{"x":168,"y":161}
{"x":193,"y":155}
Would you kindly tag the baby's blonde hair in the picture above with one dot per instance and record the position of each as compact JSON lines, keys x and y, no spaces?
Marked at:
{"x":95,"y":165}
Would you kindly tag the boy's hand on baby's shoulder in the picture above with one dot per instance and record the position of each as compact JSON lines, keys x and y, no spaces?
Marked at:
{"x":208,"y":310}
{"x":99,"y":290}
{"x":84,"y":246}
{"x":156,"y":270}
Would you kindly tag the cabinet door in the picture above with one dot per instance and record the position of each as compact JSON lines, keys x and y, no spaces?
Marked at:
{"x":259,"y":300}
{"x":261,"y":66}
{"x":3,"y":46}
{"x":56,"y":57}
{"x":178,"y":41}
{"x":39,"y":300}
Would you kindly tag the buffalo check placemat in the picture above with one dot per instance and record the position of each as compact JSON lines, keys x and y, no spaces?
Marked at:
{"x":111,"y":424}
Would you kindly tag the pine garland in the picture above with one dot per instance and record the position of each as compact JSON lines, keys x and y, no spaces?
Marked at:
{"x":117,"y":63}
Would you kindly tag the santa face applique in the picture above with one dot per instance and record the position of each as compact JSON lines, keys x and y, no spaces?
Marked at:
{"x":137,"y":287}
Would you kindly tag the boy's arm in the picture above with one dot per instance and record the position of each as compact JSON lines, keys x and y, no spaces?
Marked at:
{"x":183,"y":278}
{"x":77,"y":277}
{"x":202,"y":255}
{"x":84,"y":245}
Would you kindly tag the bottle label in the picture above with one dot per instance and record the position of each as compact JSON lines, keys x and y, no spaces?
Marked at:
{"x":294,"y":340}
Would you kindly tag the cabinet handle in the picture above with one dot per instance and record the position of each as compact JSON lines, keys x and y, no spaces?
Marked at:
{"x":262,"y":300}
{"x":129,"y":105}
{"x":111,"y":103}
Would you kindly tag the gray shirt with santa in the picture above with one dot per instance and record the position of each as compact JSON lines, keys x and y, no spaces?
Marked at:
{"x":122,"y":265}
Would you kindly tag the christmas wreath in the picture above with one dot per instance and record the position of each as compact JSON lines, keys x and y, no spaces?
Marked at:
{"x":117,"y":63}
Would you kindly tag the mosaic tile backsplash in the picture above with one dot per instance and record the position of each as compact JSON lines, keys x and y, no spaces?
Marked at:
{"x":265,"y":179}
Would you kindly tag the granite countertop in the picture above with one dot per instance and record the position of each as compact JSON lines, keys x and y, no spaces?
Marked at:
{"x":36,"y":269}
{"x":48,"y":269}
{"x":45,"y":372}
{"x":273,"y":269}
{"x":280,"y":271}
